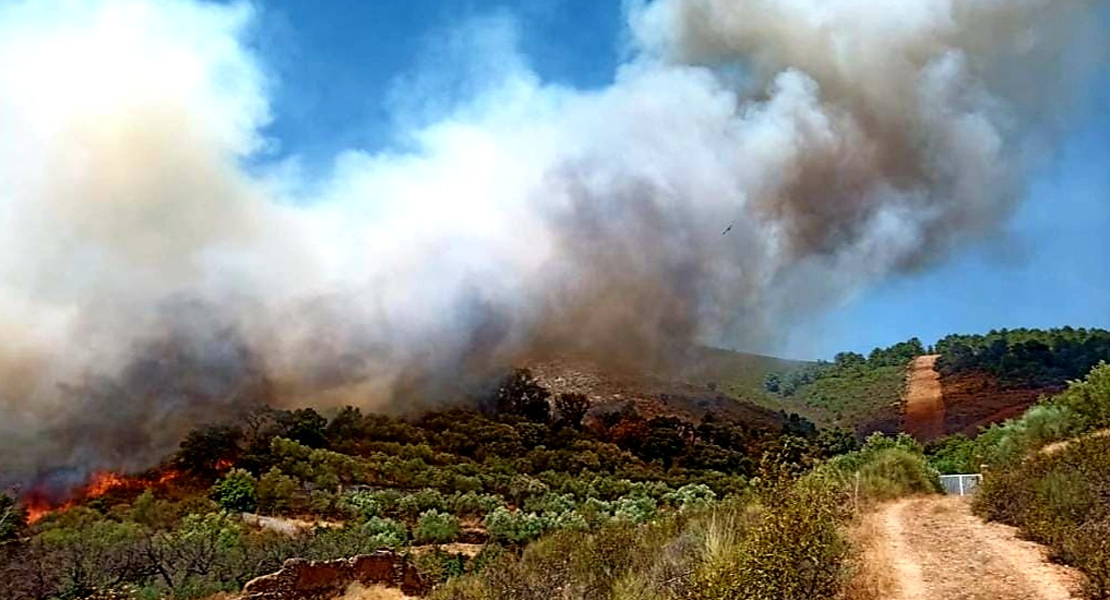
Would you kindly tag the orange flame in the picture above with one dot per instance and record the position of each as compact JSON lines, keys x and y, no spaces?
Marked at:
{"x":36,"y":511}
{"x":38,"y":506}
{"x":102,"y":483}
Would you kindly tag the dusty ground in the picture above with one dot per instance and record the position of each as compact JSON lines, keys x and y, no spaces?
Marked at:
{"x":360,"y":592}
{"x":1056,"y":447}
{"x":935,"y":549}
{"x":284,"y":525}
{"x":924,"y":400}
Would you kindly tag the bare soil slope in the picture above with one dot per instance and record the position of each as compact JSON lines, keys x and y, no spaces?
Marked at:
{"x":925,"y":408}
{"x":975,"y":399}
{"x":937,"y":550}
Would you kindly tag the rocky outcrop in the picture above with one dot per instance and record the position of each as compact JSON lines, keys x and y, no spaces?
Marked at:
{"x":301,"y":579}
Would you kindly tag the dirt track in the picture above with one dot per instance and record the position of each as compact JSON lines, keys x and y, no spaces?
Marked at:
{"x":924,"y":400}
{"x":937,"y":550}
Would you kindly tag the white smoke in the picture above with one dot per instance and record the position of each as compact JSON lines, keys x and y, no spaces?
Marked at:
{"x":149,"y":280}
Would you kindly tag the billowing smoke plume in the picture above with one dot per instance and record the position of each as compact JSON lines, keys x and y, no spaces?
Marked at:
{"x":157,"y":270}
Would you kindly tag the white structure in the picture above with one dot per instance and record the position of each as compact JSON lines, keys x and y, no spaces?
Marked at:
{"x":961,"y":484}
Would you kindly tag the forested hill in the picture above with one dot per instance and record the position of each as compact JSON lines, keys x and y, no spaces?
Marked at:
{"x":986,"y":378}
{"x":1026,"y":357}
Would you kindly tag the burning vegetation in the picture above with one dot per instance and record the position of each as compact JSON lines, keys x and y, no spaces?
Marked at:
{"x":43,"y":500}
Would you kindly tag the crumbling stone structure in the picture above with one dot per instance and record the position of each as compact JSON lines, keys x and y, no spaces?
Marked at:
{"x":301,"y":579}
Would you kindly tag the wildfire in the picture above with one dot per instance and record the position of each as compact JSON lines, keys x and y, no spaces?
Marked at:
{"x":38,"y":505}
{"x":37,"y":510}
{"x":102,"y":483}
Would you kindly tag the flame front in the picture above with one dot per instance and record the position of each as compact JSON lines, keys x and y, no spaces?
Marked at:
{"x":38,"y":505}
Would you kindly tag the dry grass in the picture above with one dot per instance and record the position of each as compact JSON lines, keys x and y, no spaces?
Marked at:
{"x":358,"y":591}
{"x":468,"y":550}
{"x":723,"y":533}
{"x":871,"y":571}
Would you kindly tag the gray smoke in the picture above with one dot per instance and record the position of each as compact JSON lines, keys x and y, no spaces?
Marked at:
{"x":149,"y":281}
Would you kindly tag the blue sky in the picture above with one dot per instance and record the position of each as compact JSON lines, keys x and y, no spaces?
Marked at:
{"x":337,"y":62}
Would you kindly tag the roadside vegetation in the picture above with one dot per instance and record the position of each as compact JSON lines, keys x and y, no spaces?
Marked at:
{"x":1048,"y":473}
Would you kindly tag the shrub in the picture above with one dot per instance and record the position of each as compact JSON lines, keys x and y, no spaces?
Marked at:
{"x":793,"y":552}
{"x":278,"y":493}
{"x":729,"y":550}
{"x":363,"y":504}
{"x":385,"y":533}
{"x":896,"y":472}
{"x":439,"y":566}
{"x":412,"y":505}
{"x":12,"y":518}
{"x":1059,"y":499}
{"x":236,"y":492}
{"x":953,"y":454}
{"x":637,"y":509}
{"x":568,"y":521}
{"x":1089,"y":399}
{"x":472,"y":504}
{"x":550,"y":505}
{"x":436,"y":527}
{"x":691,"y":496}
{"x":515,"y":527}
{"x":572,"y":408}
{"x":595,"y":512}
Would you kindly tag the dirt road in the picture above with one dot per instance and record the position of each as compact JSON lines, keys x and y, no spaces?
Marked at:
{"x":935,"y":549}
{"x":924,"y":400}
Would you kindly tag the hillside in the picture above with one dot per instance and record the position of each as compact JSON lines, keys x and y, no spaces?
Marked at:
{"x":723,"y":382}
{"x":566,"y":460}
{"x":984,"y":379}
{"x":734,"y":385}
{"x":987,"y":379}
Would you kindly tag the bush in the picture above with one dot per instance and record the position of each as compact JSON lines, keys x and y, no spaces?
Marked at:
{"x":884,"y":468}
{"x":471,"y":504}
{"x":363,"y":504}
{"x":793,"y":552}
{"x":436,"y":527}
{"x":236,"y":492}
{"x":691,"y":496}
{"x":12,"y":518}
{"x":413,"y":505}
{"x":1059,"y":499}
{"x":954,"y":454}
{"x":279,"y":493}
{"x":895,"y":472}
{"x":637,"y":509}
{"x":1089,"y":400}
{"x":515,"y":527}
{"x":729,"y":550}
{"x":385,"y":533}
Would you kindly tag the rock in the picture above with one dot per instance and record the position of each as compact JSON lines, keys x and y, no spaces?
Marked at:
{"x":301,"y":579}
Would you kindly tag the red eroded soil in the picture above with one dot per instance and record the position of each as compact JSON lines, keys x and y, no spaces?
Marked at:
{"x":925,"y":409}
{"x":938,"y":405}
{"x":974,"y":399}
